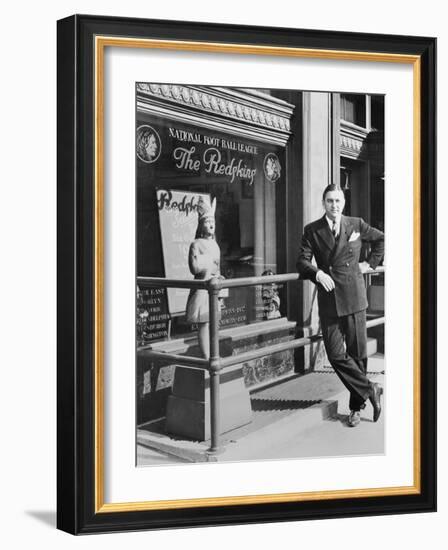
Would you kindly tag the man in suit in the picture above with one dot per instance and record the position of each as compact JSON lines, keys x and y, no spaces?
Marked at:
{"x":335,"y":243}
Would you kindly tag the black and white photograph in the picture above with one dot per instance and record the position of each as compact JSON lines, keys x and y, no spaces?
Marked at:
{"x":221,"y":315}
{"x":260,"y":274}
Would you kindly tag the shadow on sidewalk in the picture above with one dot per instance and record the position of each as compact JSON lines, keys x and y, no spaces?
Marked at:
{"x":259,"y":405}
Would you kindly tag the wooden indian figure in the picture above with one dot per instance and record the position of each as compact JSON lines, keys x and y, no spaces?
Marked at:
{"x":204,"y":262}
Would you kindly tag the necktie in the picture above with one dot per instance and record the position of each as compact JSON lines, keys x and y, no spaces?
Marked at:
{"x":333,"y":230}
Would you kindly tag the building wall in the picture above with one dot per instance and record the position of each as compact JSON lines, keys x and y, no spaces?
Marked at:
{"x":317,"y":174}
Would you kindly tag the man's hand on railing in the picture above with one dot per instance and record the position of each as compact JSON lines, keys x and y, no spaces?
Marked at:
{"x":364,"y":267}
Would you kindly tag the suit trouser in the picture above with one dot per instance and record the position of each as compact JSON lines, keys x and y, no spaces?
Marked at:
{"x":345,"y":340}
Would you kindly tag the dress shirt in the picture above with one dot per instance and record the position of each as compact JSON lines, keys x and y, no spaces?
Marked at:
{"x":338,"y":225}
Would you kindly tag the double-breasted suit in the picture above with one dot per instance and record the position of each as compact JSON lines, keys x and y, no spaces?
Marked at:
{"x":342,"y":311}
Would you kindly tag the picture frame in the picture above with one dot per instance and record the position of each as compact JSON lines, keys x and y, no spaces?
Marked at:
{"x":82,"y":42}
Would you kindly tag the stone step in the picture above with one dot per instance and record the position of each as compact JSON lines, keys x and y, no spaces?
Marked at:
{"x":372,"y":346}
{"x":376,"y":364}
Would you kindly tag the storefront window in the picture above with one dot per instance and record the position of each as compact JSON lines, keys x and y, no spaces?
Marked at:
{"x":177,"y":163}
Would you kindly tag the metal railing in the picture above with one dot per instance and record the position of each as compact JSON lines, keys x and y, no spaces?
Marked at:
{"x":216,"y":363}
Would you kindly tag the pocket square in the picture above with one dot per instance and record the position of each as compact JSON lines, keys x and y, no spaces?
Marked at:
{"x":354,"y":236}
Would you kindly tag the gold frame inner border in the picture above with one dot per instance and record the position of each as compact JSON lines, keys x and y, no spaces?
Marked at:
{"x":102,"y":42}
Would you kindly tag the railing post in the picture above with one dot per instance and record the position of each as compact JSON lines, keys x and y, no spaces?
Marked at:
{"x":214,"y":368}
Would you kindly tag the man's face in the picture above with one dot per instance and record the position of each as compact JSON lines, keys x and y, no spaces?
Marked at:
{"x":333,"y":204}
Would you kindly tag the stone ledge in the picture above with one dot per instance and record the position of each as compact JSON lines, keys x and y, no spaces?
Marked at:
{"x":234,"y":333}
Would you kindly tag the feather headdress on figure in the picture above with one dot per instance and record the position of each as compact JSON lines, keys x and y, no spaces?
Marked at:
{"x":205,"y":210}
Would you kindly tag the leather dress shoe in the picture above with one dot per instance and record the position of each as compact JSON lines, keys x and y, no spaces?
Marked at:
{"x":375,"y":399}
{"x":354,"y":418}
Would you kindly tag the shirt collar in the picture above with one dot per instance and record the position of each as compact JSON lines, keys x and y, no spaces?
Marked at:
{"x":330,"y":222}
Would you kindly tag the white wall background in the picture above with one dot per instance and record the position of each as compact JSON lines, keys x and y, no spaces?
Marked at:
{"x":28,"y":267}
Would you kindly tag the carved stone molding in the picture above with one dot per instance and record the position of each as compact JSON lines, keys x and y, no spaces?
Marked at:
{"x":352,"y":139}
{"x":243,"y":112}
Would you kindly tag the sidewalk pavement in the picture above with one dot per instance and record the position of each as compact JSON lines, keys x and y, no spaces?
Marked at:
{"x":300,"y":417}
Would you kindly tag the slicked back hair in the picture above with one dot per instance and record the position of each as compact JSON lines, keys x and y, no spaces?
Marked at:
{"x":331,"y":187}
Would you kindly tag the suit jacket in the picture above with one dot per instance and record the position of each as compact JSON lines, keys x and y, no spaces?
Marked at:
{"x":340,"y":260}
